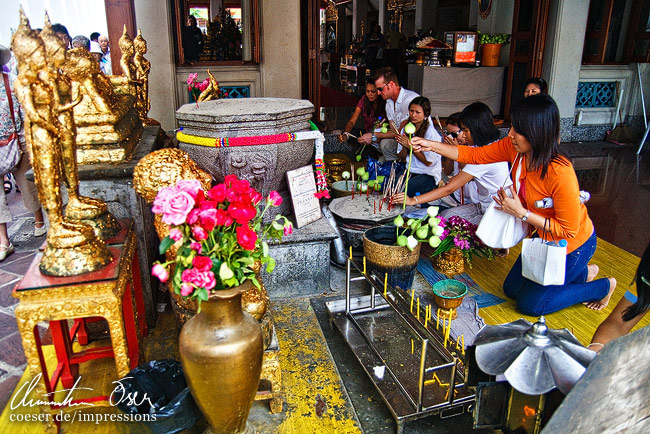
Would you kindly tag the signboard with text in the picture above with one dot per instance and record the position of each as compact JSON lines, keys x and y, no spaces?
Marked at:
{"x":302,"y":187}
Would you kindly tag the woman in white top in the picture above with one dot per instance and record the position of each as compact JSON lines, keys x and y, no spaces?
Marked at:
{"x":478,"y":129}
{"x":426,"y":167}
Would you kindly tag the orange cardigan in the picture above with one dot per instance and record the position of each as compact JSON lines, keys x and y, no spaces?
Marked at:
{"x":568,"y":217}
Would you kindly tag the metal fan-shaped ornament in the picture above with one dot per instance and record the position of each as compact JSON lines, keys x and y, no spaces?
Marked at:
{"x":533,"y":358}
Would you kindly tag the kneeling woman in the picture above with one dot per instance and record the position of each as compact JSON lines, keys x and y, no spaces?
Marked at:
{"x":541,"y":170}
{"x":426,"y":166}
{"x":477,"y":129}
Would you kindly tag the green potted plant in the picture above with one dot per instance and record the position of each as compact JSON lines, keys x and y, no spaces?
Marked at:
{"x":491,"y":47}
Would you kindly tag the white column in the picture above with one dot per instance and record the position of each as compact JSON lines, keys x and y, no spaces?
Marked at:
{"x":567,"y":23}
{"x":381,"y":7}
{"x":359,"y":13}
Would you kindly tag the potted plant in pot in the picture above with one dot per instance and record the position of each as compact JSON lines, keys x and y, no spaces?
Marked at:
{"x":491,"y":47}
{"x":220,"y":239}
{"x":458,"y":243}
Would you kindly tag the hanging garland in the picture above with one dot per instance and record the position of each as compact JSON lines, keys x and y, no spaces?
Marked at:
{"x":226,"y":142}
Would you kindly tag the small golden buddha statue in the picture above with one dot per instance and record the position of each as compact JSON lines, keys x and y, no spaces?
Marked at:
{"x":72,"y":247}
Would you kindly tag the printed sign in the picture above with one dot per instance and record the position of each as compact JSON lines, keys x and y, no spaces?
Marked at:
{"x":302,"y":187}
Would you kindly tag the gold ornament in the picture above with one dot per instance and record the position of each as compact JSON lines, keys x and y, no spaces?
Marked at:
{"x":212,"y":91}
{"x":72,"y":246}
{"x":142,"y":67}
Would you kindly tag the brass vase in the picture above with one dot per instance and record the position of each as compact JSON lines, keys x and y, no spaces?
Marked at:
{"x":384,"y":257}
{"x":449,"y":263}
{"x":221,"y":353}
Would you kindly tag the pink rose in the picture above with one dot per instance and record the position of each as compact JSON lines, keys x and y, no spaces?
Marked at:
{"x":160,"y":272}
{"x":201,"y":279}
{"x":203,"y":85}
{"x":242,"y":213}
{"x":190,"y":78}
{"x":196,"y":247}
{"x":275,"y":198}
{"x":208,"y":219}
{"x":176,"y":208}
{"x":190,"y":186}
{"x":288,"y":229}
{"x":186,"y":289}
{"x":192,"y":217}
{"x":202,"y":263}
{"x":246,"y":237}
{"x":199,"y":233}
{"x":176,"y":234}
{"x":255,"y":196}
{"x":161,"y":199}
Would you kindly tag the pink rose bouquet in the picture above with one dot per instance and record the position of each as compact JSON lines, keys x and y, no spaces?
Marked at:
{"x":220,"y":232}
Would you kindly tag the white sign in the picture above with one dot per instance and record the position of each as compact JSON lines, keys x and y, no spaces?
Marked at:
{"x":302,"y":187}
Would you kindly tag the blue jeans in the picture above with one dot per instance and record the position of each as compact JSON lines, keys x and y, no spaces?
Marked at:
{"x":421,"y":183}
{"x":535,"y":300}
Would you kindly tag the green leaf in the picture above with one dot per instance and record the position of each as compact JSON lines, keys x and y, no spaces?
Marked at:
{"x":246,"y":260}
{"x":203,"y":294}
{"x":265,"y":248}
{"x":271,"y":265}
{"x":165,"y":244}
{"x":256,"y":282}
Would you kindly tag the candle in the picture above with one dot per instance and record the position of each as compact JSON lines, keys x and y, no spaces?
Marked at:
{"x":385,"y":283}
{"x":418,"y":308}
{"x":426,"y":316}
{"x":412,"y":297}
{"x":412,"y":346}
{"x":438,"y":319}
{"x":350,"y":252}
{"x":364,"y":265}
{"x":448,"y":327}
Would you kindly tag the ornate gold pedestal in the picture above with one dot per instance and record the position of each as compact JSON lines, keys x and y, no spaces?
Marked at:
{"x":449,"y":263}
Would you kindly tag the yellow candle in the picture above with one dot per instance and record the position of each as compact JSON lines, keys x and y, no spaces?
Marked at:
{"x":412,"y":346}
{"x":364,"y":265}
{"x":385,"y":283}
{"x":350,"y":252}
{"x":412,"y":297}
{"x":438,"y":319}
{"x":418,"y":308}
{"x":448,"y":327}
{"x":426,"y":316}
{"x":462,"y":348}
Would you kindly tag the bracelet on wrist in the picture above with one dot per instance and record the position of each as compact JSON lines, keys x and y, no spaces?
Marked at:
{"x":416,"y":200}
{"x":595,"y":343}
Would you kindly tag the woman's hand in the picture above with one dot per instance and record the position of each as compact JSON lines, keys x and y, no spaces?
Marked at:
{"x":509,"y":202}
{"x":424,"y":145}
{"x":450,"y":141}
{"x":401,"y":198}
{"x":403,"y":140}
{"x":365,"y":139}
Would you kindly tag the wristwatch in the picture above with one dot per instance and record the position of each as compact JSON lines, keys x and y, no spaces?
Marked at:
{"x":374,"y":138}
{"x":525,"y":217}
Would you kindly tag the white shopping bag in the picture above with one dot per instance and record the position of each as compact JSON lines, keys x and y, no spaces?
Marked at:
{"x":500,"y":230}
{"x":543,"y":262}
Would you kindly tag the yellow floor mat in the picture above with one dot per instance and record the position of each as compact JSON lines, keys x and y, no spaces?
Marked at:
{"x":581,"y":321}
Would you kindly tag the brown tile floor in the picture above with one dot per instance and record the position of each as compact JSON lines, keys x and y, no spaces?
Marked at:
{"x":619,"y":209}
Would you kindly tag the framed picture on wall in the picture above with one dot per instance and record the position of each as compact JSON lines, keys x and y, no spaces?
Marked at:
{"x":464,"y":44}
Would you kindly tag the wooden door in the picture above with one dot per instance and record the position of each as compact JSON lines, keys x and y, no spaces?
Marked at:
{"x":526,"y":48}
{"x":310,"y":38}
{"x":119,"y":13}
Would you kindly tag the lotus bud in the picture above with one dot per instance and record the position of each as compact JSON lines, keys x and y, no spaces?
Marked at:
{"x":361,"y":171}
{"x":399,"y":221}
{"x":409,"y":129}
{"x":402,"y":240}
{"x":434,"y":221}
{"x":364,"y":188}
{"x":345,"y":175}
{"x":432,"y":211}
{"x":411,"y":242}
{"x":434,"y":241}
{"x":358,"y":157}
{"x":384,"y":128}
{"x":438,"y":230}
{"x":422,"y":232}
{"x":410,"y":222}
{"x":365,"y":176}
{"x":377,"y":186}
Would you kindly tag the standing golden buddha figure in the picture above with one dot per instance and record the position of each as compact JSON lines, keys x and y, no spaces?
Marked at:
{"x":90,"y":211}
{"x":142,"y":68}
{"x":72,"y":247}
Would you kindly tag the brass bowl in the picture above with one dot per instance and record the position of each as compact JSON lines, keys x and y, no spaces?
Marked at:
{"x":449,"y":294}
{"x":334,"y":167}
{"x":339,"y":188}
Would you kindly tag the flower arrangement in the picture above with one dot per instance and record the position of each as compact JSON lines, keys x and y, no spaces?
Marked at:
{"x":421,"y":231}
{"x":196,"y":87}
{"x":220,"y":235}
{"x":497,"y":38}
{"x":461,"y":234}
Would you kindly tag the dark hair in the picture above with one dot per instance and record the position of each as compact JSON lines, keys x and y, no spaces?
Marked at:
{"x":454,"y":119}
{"x":82,"y":41}
{"x":478,"y":119}
{"x":537,"y":118}
{"x":539,"y":82}
{"x":60,"y":28}
{"x":426,"y":108}
{"x":378,"y":106}
{"x":94,"y":36}
{"x":193,"y":19}
{"x":388,"y":73}
{"x":642,"y":288}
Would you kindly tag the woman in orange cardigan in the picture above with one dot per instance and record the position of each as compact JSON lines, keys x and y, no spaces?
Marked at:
{"x":541,"y":171}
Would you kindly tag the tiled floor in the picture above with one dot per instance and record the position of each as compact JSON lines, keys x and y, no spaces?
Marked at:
{"x":619,"y":211}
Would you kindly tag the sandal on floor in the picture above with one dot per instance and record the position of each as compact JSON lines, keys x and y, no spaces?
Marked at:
{"x":8,"y":186}
{"x":4,"y":253}
{"x":39,"y":232}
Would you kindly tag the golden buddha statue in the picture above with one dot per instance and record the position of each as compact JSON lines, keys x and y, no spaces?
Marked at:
{"x":212,"y":91}
{"x":142,"y":68}
{"x":87,"y":210}
{"x":72,"y":247}
{"x":108,"y":125}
